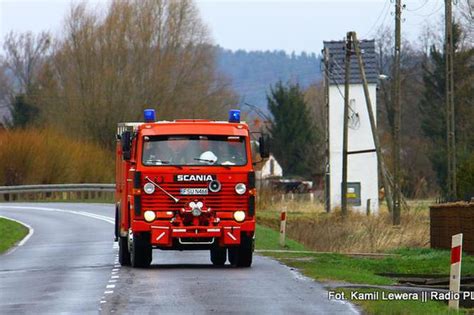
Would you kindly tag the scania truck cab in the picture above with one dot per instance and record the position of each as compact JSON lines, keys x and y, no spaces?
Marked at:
{"x":185,"y":185}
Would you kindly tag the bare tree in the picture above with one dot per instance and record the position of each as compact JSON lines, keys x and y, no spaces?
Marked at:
{"x":465,"y":17}
{"x":23,"y":57}
{"x":140,"y":53}
{"x":24,"y":54}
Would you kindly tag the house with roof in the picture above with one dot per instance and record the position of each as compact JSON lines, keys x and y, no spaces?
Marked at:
{"x":268,"y":169}
{"x":362,"y":171}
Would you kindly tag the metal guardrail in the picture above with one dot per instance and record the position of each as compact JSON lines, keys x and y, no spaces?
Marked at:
{"x":56,"y":188}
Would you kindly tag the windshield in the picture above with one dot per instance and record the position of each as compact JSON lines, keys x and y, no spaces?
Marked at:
{"x":194,"y":150}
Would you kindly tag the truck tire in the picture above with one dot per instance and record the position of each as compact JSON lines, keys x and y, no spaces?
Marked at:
{"x":241,"y":256}
{"x":218,"y":256}
{"x":233,"y":252}
{"x":117,"y":232}
{"x":124,"y":254}
{"x":140,"y":252}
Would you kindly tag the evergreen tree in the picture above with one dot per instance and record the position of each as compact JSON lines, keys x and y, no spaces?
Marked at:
{"x":293,"y":135}
{"x":23,"y":113}
{"x":433,"y":109}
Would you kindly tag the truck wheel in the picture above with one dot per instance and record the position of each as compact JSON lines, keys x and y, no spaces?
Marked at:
{"x":140,"y":252}
{"x":242,"y":255}
{"x":233,"y":252}
{"x":218,"y":256}
{"x":117,"y":232}
{"x":124,"y":254}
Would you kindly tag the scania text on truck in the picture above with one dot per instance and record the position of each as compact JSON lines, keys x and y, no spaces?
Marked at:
{"x":186,"y":185}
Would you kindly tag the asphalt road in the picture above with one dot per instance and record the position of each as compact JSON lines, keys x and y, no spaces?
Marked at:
{"x":69,"y":265}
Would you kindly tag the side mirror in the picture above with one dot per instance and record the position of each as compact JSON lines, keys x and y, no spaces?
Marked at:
{"x":126,"y":147}
{"x":264,"y":148}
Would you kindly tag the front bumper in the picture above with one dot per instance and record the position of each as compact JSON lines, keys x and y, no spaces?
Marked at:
{"x":223,"y":234}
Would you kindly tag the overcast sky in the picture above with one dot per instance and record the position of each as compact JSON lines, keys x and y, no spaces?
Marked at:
{"x":256,"y":25}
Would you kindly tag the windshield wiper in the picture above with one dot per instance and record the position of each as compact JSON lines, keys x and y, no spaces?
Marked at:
{"x":213,"y":162}
{"x":162,"y":162}
{"x":205,"y":160}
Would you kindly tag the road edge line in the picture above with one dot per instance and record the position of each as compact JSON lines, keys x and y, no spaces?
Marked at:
{"x":83,"y":213}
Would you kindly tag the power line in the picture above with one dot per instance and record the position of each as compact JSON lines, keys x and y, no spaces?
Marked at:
{"x":386,"y":9}
{"x":429,"y":14}
{"x":419,"y":8}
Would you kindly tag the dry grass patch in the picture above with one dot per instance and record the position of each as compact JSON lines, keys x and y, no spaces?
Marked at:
{"x":332,"y":232}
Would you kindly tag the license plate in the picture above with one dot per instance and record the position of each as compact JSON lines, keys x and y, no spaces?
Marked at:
{"x":194,"y":191}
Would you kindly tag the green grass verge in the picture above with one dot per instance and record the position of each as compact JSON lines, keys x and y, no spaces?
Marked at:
{"x":267,"y":238}
{"x":363,"y":270}
{"x":11,"y":232}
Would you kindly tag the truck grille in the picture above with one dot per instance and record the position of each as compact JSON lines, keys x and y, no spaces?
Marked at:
{"x":224,"y":200}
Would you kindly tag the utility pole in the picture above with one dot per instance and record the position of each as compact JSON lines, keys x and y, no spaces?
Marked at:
{"x":345,"y":135}
{"x":327,"y":183}
{"x":386,"y":185}
{"x":397,"y":115}
{"x":450,"y":131}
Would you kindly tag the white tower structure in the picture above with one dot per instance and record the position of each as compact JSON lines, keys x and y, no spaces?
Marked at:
{"x":362,"y":178}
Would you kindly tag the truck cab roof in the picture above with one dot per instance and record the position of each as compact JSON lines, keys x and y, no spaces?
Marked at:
{"x":186,"y":127}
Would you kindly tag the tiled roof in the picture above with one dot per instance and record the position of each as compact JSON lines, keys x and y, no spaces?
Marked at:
{"x":337,"y":53}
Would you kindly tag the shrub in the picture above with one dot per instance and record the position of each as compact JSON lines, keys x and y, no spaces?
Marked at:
{"x":44,"y":156}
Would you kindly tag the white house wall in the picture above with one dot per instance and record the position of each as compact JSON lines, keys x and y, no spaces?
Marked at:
{"x":266,"y":169}
{"x":361,"y":167}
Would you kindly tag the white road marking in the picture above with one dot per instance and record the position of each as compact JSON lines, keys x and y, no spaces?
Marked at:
{"x":83,"y":213}
{"x":25,"y":239}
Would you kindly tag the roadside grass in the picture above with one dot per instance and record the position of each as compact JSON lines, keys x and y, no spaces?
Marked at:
{"x":11,"y":232}
{"x":334,"y":267}
{"x":357,"y":232}
{"x":359,"y":269}
{"x":365,"y":270}
{"x":267,"y":239}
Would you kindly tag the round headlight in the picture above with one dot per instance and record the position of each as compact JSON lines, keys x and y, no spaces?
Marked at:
{"x":149,"y":188}
{"x":149,"y":215}
{"x":196,"y":212}
{"x":239,"y":216}
{"x":215,"y":186}
{"x":240,"y":188}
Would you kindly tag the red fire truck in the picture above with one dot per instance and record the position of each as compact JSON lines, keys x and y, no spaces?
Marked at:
{"x":185,"y":185}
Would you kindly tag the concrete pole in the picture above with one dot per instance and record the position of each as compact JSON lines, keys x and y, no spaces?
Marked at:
{"x":397,"y":116}
{"x":345,"y":135}
{"x":450,"y":123}
{"x":388,"y":191}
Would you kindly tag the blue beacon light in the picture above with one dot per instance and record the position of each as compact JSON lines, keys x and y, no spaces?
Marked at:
{"x":149,"y":115}
{"x":234,"y":115}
